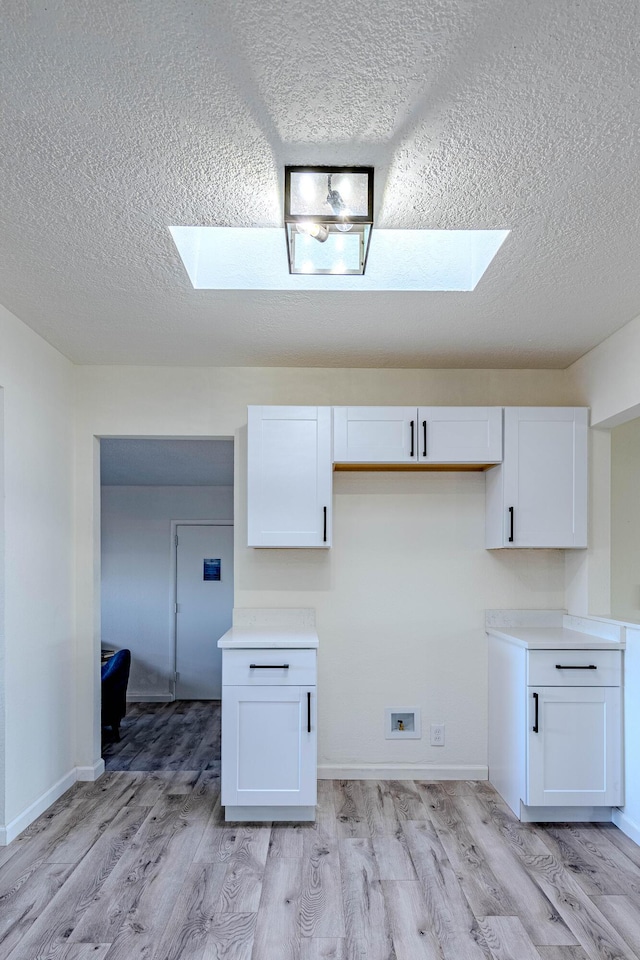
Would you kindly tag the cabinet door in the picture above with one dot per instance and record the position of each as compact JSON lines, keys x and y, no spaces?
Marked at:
{"x":574,"y":758}
{"x":289,"y":477}
{"x":375,"y":434}
{"x":538,"y":496}
{"x":268,"y":750}
{"x":460,"y":434}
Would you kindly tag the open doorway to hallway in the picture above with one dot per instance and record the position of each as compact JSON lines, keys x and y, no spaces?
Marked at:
{"x":166,"y":595}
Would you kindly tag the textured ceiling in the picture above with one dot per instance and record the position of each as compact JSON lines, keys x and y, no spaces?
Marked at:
{"x":166,"y":463}
{"x":119,"y":119}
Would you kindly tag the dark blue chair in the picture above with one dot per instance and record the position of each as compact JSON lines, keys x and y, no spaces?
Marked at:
{"x":115,"y":677}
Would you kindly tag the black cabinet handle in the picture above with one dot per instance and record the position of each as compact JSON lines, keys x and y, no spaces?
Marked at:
{"x":535,"y":720}
{"x":308,"y":711}
{"x":268,"y":666}
{"x":413,"y":423}
{"x":324,"y":535}
{"x":510,"y":524}
{"x":424,"y":438}
{"x":565,"y":666}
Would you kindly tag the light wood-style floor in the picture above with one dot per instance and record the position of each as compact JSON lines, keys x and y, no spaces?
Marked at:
{"x":141,"y":865}
{"x":183,"y":735}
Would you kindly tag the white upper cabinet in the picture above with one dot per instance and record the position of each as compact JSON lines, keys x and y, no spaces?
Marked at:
{"x":537,"y":497}
{"x":374,"y":434}
{"x":459,"y":434}
{"x":289,"y":477}
{"x":417,"y":434}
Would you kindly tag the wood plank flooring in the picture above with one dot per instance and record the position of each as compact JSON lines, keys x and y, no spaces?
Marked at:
{"x":141,"y":864}
{"x":183,"y":735}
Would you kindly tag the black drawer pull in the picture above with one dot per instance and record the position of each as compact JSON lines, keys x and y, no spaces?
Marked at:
{"x":535,"y":722}
{"x":412,"y":425}
{"x":570,"y":666}
{"x":268,"y":666}
{"x":308,"y":711}
{"x":510,"y":524}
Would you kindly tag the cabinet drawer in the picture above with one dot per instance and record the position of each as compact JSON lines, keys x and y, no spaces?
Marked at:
{"x":582,"y":668}
{"x":268,"y":667}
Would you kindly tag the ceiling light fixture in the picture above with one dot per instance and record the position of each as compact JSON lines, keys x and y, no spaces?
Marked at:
{"x":328,"y":217}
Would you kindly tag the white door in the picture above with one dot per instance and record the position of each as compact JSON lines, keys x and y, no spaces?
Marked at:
{"x":269,"y":746}
{"x":204,"y":597}
{"x":574,"y":755}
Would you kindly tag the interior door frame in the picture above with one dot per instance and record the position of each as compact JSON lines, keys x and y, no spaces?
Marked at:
{"x":174,"y":581}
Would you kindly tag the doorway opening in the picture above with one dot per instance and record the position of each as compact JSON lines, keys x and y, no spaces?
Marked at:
{"x":166,"y":595}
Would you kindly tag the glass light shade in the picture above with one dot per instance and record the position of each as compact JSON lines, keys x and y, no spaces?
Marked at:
{"x":328,"y":216}
{"x":339,"y":253}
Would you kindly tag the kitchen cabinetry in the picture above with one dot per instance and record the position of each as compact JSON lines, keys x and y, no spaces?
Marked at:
{"x":289,"y":476}
{"x":269,"y":741}
{"x":555,"y":728}
{"x":447,"y":435}
{"x":537,"y":496}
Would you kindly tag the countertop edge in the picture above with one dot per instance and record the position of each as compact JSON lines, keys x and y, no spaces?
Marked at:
{"x":268,"y":644}
{"x":574,"y":640}
{"x":269,"y":638}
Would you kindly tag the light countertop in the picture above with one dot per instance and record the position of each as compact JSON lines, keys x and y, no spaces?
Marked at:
{"x":269,"y":638}
{"x":554,"y":630}
{"x":553,"y":638}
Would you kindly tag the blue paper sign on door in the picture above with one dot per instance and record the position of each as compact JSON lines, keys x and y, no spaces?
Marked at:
{"x":211,"y":570}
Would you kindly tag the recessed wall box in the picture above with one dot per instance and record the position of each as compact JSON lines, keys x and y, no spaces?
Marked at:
{"x":402,"y":723}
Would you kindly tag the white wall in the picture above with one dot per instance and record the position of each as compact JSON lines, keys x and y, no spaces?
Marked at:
{"x":400,"y":601}
{"x":137,"y":573}
{"x":625,"y":521}
{"x":39,"y":700}
{"x":606,"y":379}
{"x":629,"y":817}
{"x":429,"y":528}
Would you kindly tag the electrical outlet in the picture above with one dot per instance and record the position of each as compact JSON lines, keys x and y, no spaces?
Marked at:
{"x":437,"y":734}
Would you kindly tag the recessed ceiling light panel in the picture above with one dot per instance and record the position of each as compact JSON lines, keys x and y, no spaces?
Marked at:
{"x":254,"y":258}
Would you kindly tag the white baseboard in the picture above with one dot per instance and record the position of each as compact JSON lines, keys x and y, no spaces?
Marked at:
{"x":10,"y":831}
{"x":150,"y":698}
{"x":391,"y":771}
{"x":628,"y":826}
{"x":90,"y":773}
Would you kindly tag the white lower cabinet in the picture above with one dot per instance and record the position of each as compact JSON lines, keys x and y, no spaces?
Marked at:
{"x":555,"y":728}
{"x":269,"y":740}
{"x":574,"y":747}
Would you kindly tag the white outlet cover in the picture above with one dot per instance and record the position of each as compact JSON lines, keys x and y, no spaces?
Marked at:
{"x":437,"y":741}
